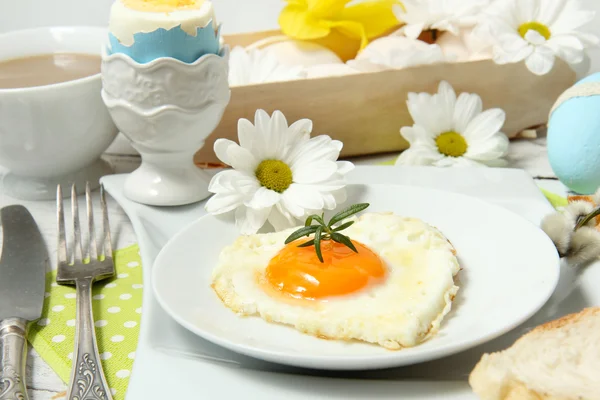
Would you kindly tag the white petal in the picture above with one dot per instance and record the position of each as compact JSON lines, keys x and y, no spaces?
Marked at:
{"x":541,"y":61}
{"x":223,"y":202}
{"x":313,"y":172}
{"x":281,"y":219}
{"x":528,"y":10}
{"x":344,"y":167}
{"x":417,"y":134}
{"x":221,"y":148}
{"x":246,"y":133}
{"x":248,"y":221}
{"x":318,"y":148}
{"x":241,"y":159}
{"x":446,"y":102}
{"x":263,"y":198}
{"x":514,"y":50}
{"x":300,"y":130}
{"x":289,"y":204}
{"x":329,"y":200}
{"x":535,"y":38}
{"x":457,"y":162}
{"x":569,"y":48}
{"x":419,"y":155}
{"x":413,"y":31}
{"x":490,"y":149}
{"x":485,"y":125}
{"x":306,"y":196}
{"x":224,"y":181}
{"x":468,"y":106}
{"x":278,"y":129}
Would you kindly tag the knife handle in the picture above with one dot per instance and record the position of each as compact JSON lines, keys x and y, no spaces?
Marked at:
{"x":13,"y":354}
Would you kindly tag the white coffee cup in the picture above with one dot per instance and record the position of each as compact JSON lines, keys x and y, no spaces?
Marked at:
{"x":53,"y":134}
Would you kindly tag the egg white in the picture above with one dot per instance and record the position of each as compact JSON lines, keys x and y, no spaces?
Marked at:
{"x":402,"y":311}
{"x":124,"y":22}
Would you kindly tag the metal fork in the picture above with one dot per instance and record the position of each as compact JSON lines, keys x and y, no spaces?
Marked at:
{"x":82,"y":269}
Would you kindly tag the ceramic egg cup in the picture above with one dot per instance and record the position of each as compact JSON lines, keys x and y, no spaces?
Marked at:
{"x":167,"y":109}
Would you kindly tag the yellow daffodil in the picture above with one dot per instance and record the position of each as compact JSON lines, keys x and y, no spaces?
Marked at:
{"x":316,"y":19}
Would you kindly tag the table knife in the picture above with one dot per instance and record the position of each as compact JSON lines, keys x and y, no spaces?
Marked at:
{"x":23,"y":263}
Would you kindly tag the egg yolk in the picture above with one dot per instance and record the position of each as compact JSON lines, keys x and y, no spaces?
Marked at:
{"x":162,"y":5}
{"x":297,"y":271}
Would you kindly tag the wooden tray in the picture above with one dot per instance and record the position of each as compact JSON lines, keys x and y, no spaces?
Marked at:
{"x":366,"y":111}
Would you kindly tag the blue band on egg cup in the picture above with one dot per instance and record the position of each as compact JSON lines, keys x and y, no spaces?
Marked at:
{"x":174,"y":43}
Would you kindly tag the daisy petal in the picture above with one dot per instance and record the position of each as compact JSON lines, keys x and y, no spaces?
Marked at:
{"x":313,"y":172}
{"x":468,"y":106}
{"x":223,"y":202}
{"x":278,"y":128}
{"x":492,"y":148}
{"x":242,"y":159}
{"x":419,"y":155}
{"x":300,"y":130}
{"x":246,"y":133}
{"x":541,"y":61}
{"x":263,"y":198}
{"x":569,"y":48}
{"x":221,"y":148}
{"x":224,"y":181}
{"x":446,"y":101}
{"x":344,"y":167}
{"x":413,"y":31}
{"x":289,"y":204}
{"x":535,"y":38}
{"x":485,"y":125}
{"x":280,"y":219}
{"x":457,"y":162}
{"x":416,"y":135}
{"x":249,"y":220}
{"x":315,"y":149}
{"x":306,"y":196}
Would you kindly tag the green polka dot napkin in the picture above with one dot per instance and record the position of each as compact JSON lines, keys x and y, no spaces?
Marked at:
{"x":117,"y":307}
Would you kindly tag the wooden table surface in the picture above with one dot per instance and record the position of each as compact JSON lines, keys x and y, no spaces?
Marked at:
{"x":44,"y":384}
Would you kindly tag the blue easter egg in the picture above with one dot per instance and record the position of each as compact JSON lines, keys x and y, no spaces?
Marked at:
{"x":574,"y":141}
{"x":175,"y":43}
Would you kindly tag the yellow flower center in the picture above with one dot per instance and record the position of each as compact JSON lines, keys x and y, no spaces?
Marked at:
{"x":535,"y":26}
{"x":274,"y":175}
{"x":451,"y":144}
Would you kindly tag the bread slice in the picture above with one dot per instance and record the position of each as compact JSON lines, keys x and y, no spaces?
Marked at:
{"x":559,"y":360}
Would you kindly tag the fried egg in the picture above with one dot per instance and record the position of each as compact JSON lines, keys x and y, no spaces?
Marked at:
{"x":394,"y":292}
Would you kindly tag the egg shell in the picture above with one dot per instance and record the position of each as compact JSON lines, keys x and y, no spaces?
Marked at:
{"x":387,"y":44}
{"x":173,"y":43}
{"x":297,"y":52}
{"x":574,"y":142}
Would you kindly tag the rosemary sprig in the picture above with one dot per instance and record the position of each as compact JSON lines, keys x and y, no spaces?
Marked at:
{"x":327,"y":231}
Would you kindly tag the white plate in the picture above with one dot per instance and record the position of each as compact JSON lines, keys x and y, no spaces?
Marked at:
{"x":510,"y":269}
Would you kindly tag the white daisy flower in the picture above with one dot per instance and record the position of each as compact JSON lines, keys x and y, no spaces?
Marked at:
{"x":249,"y":67}
{"x":537,"y":31}
{"x":450,"y":131}
{"x":279,"y":174}
{"x":443,"y":15}
{"x":396,"y":52}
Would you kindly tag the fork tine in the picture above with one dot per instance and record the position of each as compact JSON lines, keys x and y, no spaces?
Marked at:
{"x":107,"y":248}
{"x":62,"y":237}
{"x":77,"y":248}
{"x":92,"y":249}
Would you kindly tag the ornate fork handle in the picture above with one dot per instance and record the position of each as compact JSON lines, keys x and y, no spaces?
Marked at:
{"x":13,"y":347}
{"x":87,"y":378}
